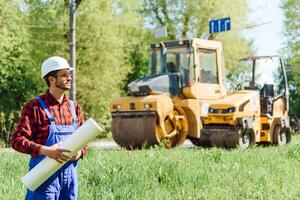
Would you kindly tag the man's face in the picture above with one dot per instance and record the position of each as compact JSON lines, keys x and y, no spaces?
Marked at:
{"x":63,"y":79}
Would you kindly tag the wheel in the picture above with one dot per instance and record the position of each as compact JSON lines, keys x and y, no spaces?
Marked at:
{"x":201,"y":142}
{"x":195,"y":141}
{"x":135,"y":132}
{"x":294,"y":126}
{"x":180,"y":124}
{"x":245,"y":139}
{"x":281,"y":136}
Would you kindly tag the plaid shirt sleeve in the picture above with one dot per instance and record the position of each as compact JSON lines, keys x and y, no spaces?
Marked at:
{"x":32,"y":130}
{"x":21,"y":139}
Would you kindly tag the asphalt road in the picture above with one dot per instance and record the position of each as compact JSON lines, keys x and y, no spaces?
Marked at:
{"x":109,"y":145}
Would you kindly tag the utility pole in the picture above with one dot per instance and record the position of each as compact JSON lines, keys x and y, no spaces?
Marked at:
{"x":72,"y":45}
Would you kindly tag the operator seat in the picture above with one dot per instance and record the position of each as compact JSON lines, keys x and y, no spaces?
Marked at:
{"x":171,"y":67}
{"x":267,"y":98}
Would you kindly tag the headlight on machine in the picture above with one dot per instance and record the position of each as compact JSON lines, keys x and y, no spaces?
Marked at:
{"x":116,"y":107}
{"x":148,"y":106}
{"x":231,"y":110}
{"x":221,"y":111}
{"x":210,"y":110}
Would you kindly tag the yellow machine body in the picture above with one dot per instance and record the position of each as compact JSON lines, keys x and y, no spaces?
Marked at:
{"x":146,"y":118}
{"x":245,"y":117}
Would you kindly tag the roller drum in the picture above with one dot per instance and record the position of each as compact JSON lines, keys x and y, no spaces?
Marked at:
{"x":219,"y":137}
{"x":133,"y":130}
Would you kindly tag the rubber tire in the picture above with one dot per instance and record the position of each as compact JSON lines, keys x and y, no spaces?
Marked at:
{"x":245,"y":140}
{"x":281,"y":136}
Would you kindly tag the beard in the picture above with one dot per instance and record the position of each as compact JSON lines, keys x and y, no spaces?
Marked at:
{"x":63,"y":86}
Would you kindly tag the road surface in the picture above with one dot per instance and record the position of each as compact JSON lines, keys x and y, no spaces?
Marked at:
{"x":109,"y":145}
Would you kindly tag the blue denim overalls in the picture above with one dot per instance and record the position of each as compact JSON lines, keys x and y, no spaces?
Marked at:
{"x":62,"y":184}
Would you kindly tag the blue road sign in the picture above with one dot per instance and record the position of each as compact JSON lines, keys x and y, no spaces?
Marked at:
{"x":219,"y":25}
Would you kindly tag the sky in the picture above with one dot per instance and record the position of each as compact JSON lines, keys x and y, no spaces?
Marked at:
{"x":268,"y":38}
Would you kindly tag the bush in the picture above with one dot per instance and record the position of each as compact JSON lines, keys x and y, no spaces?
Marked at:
{"x":6,"y":127}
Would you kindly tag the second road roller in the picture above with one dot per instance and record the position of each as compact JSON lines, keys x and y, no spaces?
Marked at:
{"x":256,"y":113}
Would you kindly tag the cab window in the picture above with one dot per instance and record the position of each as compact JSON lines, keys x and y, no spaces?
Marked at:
{"x":208,"y":66}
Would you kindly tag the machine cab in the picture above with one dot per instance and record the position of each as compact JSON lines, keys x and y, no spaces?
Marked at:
{"x":197,"y":62}
{"x":267,"y":74}
{"x":174,"y":57}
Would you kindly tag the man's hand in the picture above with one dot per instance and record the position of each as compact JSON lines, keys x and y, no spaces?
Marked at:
{"x":77,"y":156}
{"x":60,"y":155}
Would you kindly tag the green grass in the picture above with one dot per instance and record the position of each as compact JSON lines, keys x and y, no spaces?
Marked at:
{"x":106,"y":137}
{"x":192,"y":173}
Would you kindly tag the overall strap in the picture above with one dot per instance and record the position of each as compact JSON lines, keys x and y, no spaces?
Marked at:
{"x":46,"y":109}
{"x":73,"y":109}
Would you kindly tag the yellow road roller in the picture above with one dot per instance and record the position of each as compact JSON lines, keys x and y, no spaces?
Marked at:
{"x":168,"y":105}
{"x":256,"y":113}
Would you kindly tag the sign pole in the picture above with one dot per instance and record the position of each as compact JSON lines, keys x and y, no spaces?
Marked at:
{"x":72,"y":46}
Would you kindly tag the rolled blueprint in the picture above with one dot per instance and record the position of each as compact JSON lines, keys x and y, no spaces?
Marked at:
{"x":42,"y":171}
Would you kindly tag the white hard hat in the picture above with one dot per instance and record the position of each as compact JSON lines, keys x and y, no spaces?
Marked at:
{"x":54,"y":63}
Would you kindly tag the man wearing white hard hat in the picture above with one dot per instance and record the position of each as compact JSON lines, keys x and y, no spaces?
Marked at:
{"x":44,"y":123}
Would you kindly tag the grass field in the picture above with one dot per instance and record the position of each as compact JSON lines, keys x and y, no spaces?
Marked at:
{"x":190,"y":173}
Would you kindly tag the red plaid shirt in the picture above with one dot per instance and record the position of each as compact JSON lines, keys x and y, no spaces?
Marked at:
{"x":33,"y":127}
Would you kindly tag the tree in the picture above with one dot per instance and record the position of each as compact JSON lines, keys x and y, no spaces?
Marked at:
{"x":189,"y":18}
{"x":106,"y":42}
{"x":291,"y":10}
{"x":16,"y":83}
{"x":108,"y":33}
{"x":48,"y":27}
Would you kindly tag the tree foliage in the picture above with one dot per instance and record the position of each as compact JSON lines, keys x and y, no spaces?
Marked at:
{"x":189,"y":18}
{"x":106,"y":40}
{"x":48,"y":27}
{"x":108,"y":33}
{"x":113,"y":38}
{"x":291,"y":10}
{"x":16,"y":84}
